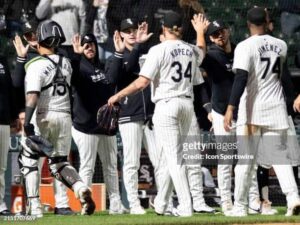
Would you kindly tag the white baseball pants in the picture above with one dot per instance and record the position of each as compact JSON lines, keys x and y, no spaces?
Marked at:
{"x":89,"y":145}
{"x":173,"y":119}
{"x":4,"y":147}
{"x":133,"y":135}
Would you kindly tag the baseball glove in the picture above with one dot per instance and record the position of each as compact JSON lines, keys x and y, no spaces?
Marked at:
{"x":39,"y":144}
{"x":107,"y":119}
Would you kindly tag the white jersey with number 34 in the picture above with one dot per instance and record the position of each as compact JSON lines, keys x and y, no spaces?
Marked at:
{"x":173,"y":66}
{"x":262,"y":103}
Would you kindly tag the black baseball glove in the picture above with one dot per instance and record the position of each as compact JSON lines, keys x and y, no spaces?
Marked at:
{"x":107,"y":119}
{"x":39,"y":144}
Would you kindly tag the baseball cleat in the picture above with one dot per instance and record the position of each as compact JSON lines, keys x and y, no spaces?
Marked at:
{"x":293,"y":209}
{"x":226,"y":206}
{"x":137,"y":210}
{"x":176,"y":213}
{"x":236,"y":212}
{"x":266,"y":208}
{"x":254,"y":207}
{"x":87,"y":204}
{"x":120,"y":209}
{"x":35,"y":207}
{"x":204,"y":208}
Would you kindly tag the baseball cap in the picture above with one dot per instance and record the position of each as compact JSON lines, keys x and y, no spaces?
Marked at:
{"x":257,"y":16}
{"x":215,"y":26}
{"x":172,"y":20}
{"x":30,"y":26}
{"x":88,"y":38}
{"x":128,"y":23}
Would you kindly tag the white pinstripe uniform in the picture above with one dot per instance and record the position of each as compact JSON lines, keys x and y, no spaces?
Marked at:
{"x":4,"y":147}
{"x":89,"y":145}
{"x":133,"y":135}
{"x":224,"y":170}
{"x":173,"y":67}
{"x":53,"y":118}
{"x":263,"y":105}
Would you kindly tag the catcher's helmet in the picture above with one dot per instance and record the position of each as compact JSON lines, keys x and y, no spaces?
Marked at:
{"x":50,"y":34}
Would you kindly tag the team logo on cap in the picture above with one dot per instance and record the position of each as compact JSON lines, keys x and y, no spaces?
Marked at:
{"x":216,"y":24}
{"x":27,"y":25}
{"x":129,"y":21}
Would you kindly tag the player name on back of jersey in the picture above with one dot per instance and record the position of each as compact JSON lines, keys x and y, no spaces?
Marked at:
{"x":269,"y":48}
{"x":181,"y":51}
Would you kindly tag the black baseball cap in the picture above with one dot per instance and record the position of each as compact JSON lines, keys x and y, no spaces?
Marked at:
{"x":257,"y":16}
{"x":172,"y":20}
{"x":128,"y":23}
{"x":215,"y":26}
{"x":30,"y":26}
{"x":88,"y":38}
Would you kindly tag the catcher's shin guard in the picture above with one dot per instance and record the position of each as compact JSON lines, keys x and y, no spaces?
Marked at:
{"x":61,"y":169}
{"x":28,"y":163}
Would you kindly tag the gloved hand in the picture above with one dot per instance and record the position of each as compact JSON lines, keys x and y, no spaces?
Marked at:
{"x":29,"y":129}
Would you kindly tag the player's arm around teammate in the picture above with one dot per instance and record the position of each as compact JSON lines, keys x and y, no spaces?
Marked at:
{"x":171,"y":29}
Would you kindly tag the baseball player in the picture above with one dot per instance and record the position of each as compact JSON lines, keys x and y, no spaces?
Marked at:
{"x":194,"y":173}
{"x":135,"y":122}
{"x":7,"y":115}
{"x":257,"y":63}
{"x":47,"y":90}
{"x":92,"y":86}
{"x":173,"y":68}
{"x":218,"y":65}
{"x":24,"y":54}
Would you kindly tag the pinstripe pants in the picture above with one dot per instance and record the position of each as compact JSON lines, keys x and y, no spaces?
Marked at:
{"x":89,"y":145}
{"x":224,"y":171}
{"x":4,"y":147}
{"x":133,"y":135}
{"x":173,"y":120}
{"x":244,"y":172}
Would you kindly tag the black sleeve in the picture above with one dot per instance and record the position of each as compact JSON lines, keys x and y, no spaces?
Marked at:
{"x":204,"y":94}
{"x":297,"y":59}
{"x":75,"y":64}
{"x":288,"y":88}
{"x":207,"y":64}
{"x":12,"y":94}
{"x":18,"y":75}
{"x":113,"y":67}
{"x":91,"y":15}
{"x":133,"y":58}
{"x":239,"y":85}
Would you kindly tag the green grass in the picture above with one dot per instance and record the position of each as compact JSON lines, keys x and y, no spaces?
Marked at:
{"x":152,"y":219}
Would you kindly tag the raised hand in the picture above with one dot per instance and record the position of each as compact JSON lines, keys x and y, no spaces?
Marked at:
{"x":76,"y":42}
{"x":19,"y":46}
{"x":142,"y":33}
{"x":200,"y":23}
{"x":296,"y":105}
{"x":118,"y":42}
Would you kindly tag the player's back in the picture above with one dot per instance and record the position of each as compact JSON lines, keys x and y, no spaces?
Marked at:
{"x":265,"y":56}
{"x":262,"y":56}
{"x":54,"y":91}
{"x":178,"y":69}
